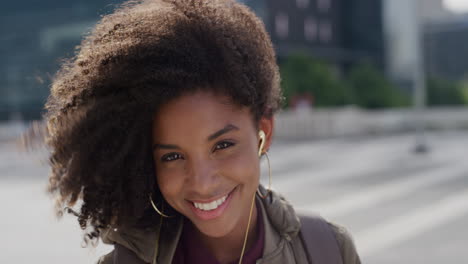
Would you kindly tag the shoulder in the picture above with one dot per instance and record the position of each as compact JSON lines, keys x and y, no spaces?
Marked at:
{"x":317,"y":232}
{"x":106,"y":259}
{"x":120,"y":254}
{"x":345,"y":243}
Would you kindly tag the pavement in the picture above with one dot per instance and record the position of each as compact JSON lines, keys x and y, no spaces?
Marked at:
{"x":400,"y":207}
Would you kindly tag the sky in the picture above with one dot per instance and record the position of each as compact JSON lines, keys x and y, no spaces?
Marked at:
{"x":459,"y":6}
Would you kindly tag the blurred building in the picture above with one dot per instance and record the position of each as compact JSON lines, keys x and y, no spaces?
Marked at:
{"x":403,"y":48}
{"x":342,"y":32}
{"x":35,"y":36}
{"x":424,"y":28}
{"x":38,"y":35}
{"x":434,"y":11}
{"x":446,"y":49}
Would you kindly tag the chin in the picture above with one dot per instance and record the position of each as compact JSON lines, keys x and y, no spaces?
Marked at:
{"x":215,"y":230}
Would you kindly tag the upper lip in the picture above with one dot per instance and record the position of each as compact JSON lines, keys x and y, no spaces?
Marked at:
{"x":211,"y":199}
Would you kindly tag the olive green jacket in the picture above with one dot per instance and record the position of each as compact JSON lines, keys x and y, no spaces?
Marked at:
{"x":282,"y":241}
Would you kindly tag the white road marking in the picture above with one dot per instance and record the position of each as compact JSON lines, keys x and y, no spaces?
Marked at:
{"x":358,"y":164}
{"x":402,"y":228}
{"x":329,"y":153}
{"x":361,"y":199}
{"x":353,"y":167}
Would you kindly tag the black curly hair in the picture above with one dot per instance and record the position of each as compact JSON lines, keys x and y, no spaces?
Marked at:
{"x":102,"y":103}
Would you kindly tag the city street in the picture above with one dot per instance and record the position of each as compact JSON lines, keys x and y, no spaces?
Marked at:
{"x":399,"y":207}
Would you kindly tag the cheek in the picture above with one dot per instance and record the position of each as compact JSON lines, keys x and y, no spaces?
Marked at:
{"x":169,"y":183}
{"x":243,"y":167}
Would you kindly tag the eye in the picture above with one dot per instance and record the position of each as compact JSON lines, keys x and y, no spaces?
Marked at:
{"x":223,"y":145}
{"x":171,"y":157}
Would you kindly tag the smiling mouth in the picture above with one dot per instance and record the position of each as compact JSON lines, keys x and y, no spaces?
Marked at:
{"x":212,"y":205}
{"x":213,"y":209}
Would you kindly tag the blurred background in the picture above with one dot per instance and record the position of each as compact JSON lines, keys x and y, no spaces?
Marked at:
{"x":373,"y":135}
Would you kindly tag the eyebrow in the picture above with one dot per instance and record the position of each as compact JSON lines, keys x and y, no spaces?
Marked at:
{"x":222,"y":131}
{"x":165,"y":146}
{"x":216,"y":134}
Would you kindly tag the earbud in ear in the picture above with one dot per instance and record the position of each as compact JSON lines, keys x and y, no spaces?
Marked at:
{"x":262,"y":136}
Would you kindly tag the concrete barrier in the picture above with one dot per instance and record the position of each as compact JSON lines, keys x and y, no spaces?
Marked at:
{"x":328,"y":123}
{"x":11,"y":130}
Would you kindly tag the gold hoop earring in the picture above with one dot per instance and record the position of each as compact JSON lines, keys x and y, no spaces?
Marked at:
{"x":269,"y":179}
{"x":157,"y":210}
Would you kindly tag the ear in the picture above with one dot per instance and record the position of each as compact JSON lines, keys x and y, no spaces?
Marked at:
{"x":267,"y":125}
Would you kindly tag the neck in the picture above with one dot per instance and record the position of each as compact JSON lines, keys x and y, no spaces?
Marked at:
{"x":234,"y":240}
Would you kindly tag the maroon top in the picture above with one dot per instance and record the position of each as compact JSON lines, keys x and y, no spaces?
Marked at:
{"x":191,"y":251}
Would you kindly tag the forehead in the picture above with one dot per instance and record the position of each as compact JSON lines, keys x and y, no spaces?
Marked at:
{"x":200,"y":112}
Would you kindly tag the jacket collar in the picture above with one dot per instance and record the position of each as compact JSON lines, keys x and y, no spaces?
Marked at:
{"x":279,"y":218}
{"x":281,"y":222}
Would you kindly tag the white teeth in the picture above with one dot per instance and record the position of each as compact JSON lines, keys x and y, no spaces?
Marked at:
{"x":210,"y":206}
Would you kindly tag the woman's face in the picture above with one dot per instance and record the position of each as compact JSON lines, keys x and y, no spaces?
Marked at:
{"x":206,"y":159}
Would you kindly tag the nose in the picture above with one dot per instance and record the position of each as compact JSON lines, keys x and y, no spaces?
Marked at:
{"x":202,"y":177}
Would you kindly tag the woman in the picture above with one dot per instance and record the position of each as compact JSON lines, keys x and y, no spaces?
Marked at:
{"x":157,"y":127}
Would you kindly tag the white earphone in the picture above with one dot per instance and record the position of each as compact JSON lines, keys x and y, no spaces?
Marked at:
{"x":262,"y":136}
